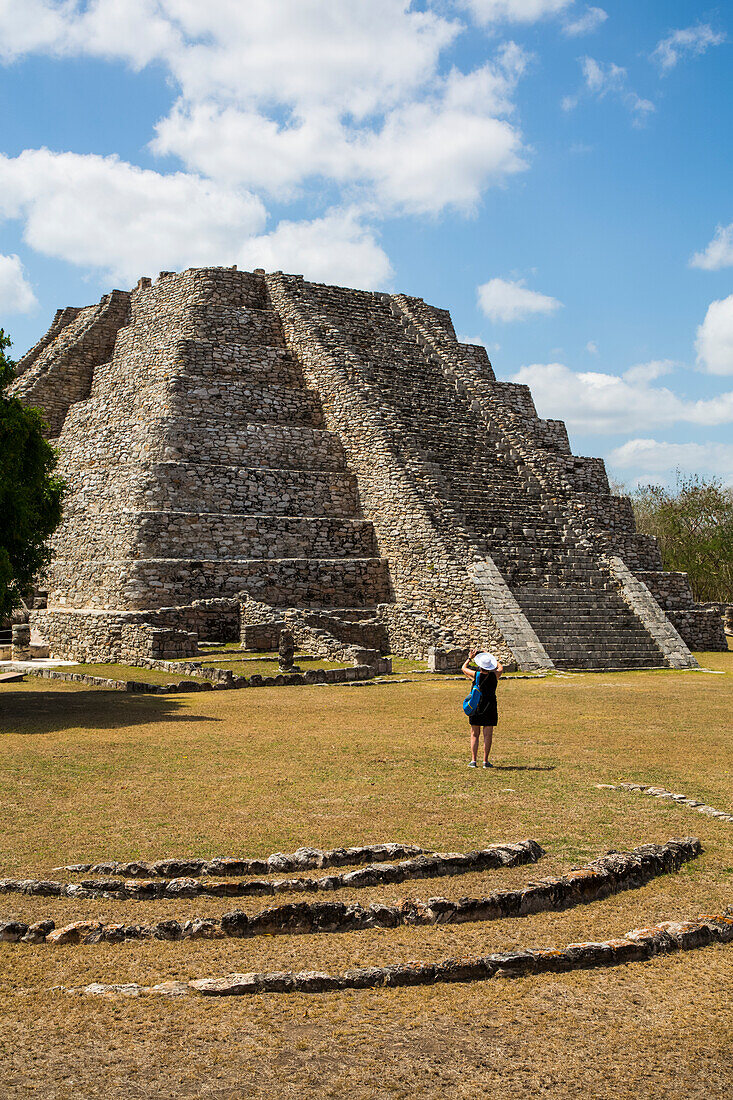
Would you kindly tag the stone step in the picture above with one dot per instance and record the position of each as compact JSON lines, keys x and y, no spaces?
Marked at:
{"x":220,"y":324}
{"x":249,"y":443}
{"x":229,"y":535}
{"x":207,"y":402}
{"x":207,"y":487}
{"x":162,"y":582}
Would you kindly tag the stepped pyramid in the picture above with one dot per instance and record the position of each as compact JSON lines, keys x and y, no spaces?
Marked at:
{"x":237,"y":444}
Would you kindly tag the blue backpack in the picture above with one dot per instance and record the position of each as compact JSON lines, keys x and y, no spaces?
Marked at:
{"x":472,"y":702}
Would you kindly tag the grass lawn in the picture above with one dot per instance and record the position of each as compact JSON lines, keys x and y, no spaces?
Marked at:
{"x":87,"y":774}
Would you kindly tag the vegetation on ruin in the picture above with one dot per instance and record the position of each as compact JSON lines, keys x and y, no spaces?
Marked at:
{"x":30,"y":492}
{"x":86,"y":774}
{"x":693,"y":524}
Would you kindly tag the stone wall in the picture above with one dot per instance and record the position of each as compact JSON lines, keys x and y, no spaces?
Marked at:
{"x":90,"y":635}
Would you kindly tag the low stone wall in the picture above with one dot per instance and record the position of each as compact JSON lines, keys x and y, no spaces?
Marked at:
{"x":313,"y":676}
{"x":137,"y":687}
{"x":680,"y":799}
{"x":89,"y":636}
{"x":701,"y":629}
{"x":435,"y":865}
{"x":412,"y":634}
{"x":599,"y":879}
{"x":302,"y":859}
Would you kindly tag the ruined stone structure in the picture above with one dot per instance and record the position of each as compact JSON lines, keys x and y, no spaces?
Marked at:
{"x":243,"y":446}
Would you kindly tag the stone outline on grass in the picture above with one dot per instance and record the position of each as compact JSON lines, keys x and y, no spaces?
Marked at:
{"x":435,"y":865}
{"x":230,"y":682}
{"x":600,"y":878}
{"x":660,"y":792}
{"x":302,"y":859}
{"x":639,"y":945}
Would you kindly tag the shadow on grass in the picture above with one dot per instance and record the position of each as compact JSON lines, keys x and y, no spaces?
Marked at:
{"x":39,"y":712}
{"x":524,"y":767}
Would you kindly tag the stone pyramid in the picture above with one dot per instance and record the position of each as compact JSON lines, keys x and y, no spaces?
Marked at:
{"x":238,"y":444}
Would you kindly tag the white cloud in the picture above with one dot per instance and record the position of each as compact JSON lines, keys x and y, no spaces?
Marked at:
{"x":601,"y":80}
{"x":336,"y":248}
{"x":514,"y":11}
{"x":441,"y":150}
{"x":649,"y":372}
{"x":104,"y":213}
{"x":592,"y":347}
{"x":719,"y":252}
{"x":135,"y":30}
{"x":686,"y":41}
{"x":276,"y":94}
{"x":650,"y":457}
{"x":16,"y":293}
{"x":596,"y":403}
{"x":714,"y":342}
{"x":589,"y":21}
{"x":503,"y":300}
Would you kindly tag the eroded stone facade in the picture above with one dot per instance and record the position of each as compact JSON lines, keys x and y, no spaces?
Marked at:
{"x":246,"y":438}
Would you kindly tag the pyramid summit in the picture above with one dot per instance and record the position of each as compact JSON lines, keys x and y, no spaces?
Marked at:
{"x":242,"y":446}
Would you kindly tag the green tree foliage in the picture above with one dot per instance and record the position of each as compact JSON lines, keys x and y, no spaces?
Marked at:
{"x":693,"y":525}
{"x":30,"y":492}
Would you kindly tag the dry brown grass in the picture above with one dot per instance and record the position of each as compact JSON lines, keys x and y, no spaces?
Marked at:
{"x":87,"y":774}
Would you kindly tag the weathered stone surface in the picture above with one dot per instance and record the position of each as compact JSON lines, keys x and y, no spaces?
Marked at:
{"x":610,"y":874}
{"x":636,"y":946}
{"x":73,"y":933}
{"x":660,"y":792}
{"x":227,"y":433}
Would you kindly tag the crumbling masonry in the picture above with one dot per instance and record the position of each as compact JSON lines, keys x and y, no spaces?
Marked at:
{"x":246,"y":450}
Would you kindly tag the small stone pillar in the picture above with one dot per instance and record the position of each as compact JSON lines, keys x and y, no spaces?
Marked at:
{"x":286,"y":651}
{"x":21,"y":643}
{"x":441,"y":659}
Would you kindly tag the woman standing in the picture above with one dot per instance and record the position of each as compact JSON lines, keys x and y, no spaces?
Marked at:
{"x":486,"y":716}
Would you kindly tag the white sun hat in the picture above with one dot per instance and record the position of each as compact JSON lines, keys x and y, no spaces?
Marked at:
{"x":486,"y":661}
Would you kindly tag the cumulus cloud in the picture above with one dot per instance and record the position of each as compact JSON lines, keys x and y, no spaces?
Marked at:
{"x":16,"y":293}
{"x":514,"y":11}
{"x":688,"y":41}
{"x":104,"y":213}
{"x":650,"y":457}
{"x":277,"y":94}
{"x":649,"y":372}
{"x":719,"y":252}
{"x":714,"y":342}
{"x":592,"y":347}
{"x":336,"y":248}
{"x":589,"y":21}
{"x":423,"y":156}
{"x":504,"y":300}
{"x":601,"y":80}
{"x":597,"y":403}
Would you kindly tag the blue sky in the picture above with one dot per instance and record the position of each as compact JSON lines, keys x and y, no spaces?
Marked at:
{"x":556,"y":173}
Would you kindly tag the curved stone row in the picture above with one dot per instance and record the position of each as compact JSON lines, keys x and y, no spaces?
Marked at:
{"x":636,"y":946}
{"x":302,"y":859}
{"x":422,"y":866}
{"x":659,"y":792}
{"x":608,"y":875}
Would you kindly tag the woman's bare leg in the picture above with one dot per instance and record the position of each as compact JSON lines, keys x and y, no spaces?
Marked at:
{"x":488,"y":737}
{"x":475,"y":732}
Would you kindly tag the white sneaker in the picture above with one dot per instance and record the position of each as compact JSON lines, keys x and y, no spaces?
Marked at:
{"x":472,"y":764}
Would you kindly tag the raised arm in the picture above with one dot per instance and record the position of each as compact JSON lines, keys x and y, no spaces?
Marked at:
{"x":466,"y":668}
{"x":499,"y":669}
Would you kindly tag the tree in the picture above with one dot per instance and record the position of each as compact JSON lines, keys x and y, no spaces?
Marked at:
{"x":30,"y":492}
{"x":693,"y":525}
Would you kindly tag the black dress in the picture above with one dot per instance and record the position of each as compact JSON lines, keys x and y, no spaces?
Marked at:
{"x":486,"y":715}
